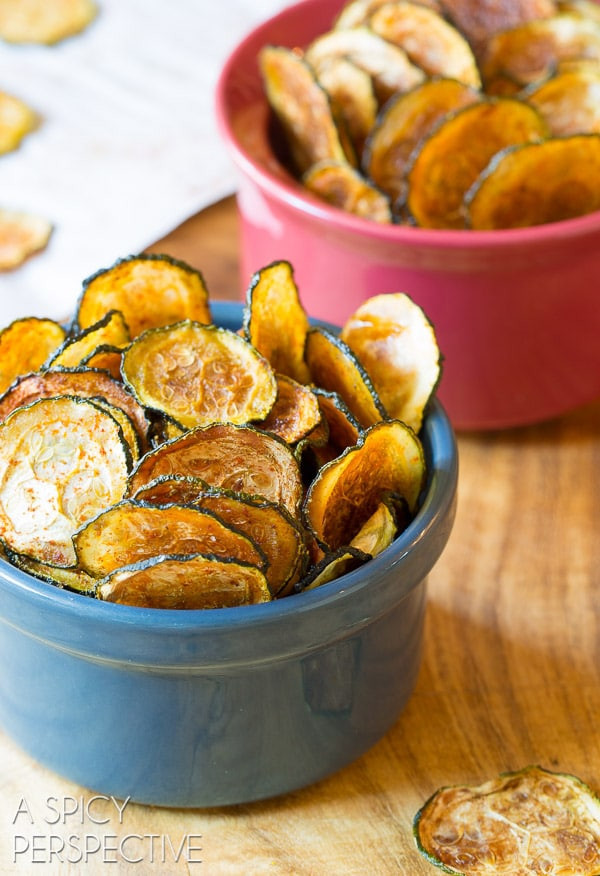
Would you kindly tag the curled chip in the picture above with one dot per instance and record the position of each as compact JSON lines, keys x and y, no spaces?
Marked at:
{"x":452,"y":157}
{"x":509,"y":193}
{"x":131,"y":531}
{"x":25,"y":345}
{"x":479,"y":20}
{"x":341,"y":186}
{"x":295,"y":413}
{"x":21,"y":234}
{"x":388,"y":65}
{"x":302,"y":107}
{"x":404,"y":122}
{"x":40,"y":21}
{"x":62,"y":460}
{"x":199,"y":374}
{"x":346,"y":492}
{"x":569,"y":101}
{"x":333,"y":366}
{"x":17,"y":119}
{"x":531,"y":821}
{"x":275,"y":322}
{"x":351,"y":91}
{"x":532,"y":51}
{"x":194,"y":581}
{"x":111,"y":329}
{"x":428,"y":39}
{"x":238,"y":458}
{"x":149,"y":290}
{"x":396,"y":344}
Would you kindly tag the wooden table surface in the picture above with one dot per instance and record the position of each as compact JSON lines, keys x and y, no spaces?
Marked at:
{"x":509,"y":674}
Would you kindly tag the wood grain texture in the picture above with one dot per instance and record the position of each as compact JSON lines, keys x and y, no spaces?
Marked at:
{"x":509,"y":674}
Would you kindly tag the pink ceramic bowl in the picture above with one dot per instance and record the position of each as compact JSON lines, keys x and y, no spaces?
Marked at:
{"x":516,"y":312}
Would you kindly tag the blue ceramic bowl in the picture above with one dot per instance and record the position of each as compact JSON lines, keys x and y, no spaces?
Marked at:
{"x":215,"y":707}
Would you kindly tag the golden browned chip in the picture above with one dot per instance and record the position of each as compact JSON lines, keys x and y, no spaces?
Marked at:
{"x":25,"y":345}
{"x":532,"y":51}
{"x":62,"y":460}
{"x":569,"y":101}
{"x":378,"y":532}
{"x":347,"y":491}
{"x":388,"y":65}
{"x":302,"y":107}
{"x":331,"y":566}
{"x":111,"y":329}
{"x":275,"y":321}
{"x":44,"y":21}
{"x":333,"y":366}
{"x":17,"y":119}
{"x":343,"y":430}
{"x":537,"y":183}
{"x":196,"y":581}
{"x":479,"y":20}
{"x":295,"y":413}
{"x":21,"y":234}
{"x":106,"y":357}
{"x":404,"y":122}
{"x":72,"y":579}
{"x":452,"y":157}
{"x":397,"y":346}
{"x":82,"y":382}
{"x":342,"y":186}
{"x":149,"y":290}
{"x":171,"y":490}
{"x":357,"y":12}
{"x":238,"y":458}
{"x":131,"y":531}
{"x":199,"y":374}
{"x":351,"y":91}
{"x":432,"y":43}
{"x":531,"y":821}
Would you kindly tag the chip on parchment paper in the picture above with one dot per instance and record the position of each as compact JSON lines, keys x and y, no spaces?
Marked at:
{"x":16,"y":120}
{"x":44,"y":21}
{"x":21,"y":235}
{"x":531,"y":821}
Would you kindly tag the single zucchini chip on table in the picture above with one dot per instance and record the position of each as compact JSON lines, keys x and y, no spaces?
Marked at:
{"x":38,"y":21}
{"x":25,"y":345}
{"x":17,"y":119}
{"x":275,"y":322}
{"x":397,"y":346}
{"x":111,"y":329}
{"x":62,"y":460}
{"x":21,"y":234}
{"x":195,"y":581}
{"x":131,"y":531}
{"x":149,"y":290}
{"x":342,"y":186}
{"x":199,"y":374}
{"x":531,"y":821}
{"x":537,"y":183}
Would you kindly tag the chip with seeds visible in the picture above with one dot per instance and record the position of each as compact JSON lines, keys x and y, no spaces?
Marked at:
{"x":21,"y":235}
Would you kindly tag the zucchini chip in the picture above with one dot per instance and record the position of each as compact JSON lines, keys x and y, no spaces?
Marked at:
{"x":584,"y":8}
{"x":342,"y":186}
{"x":81,"y":382}
{"x":343,"y":429}
{"x":404,"y":122}
{"x":25,"y":345}
{"x":131,"y":531}
{"x":449,"y":161}
{"x":396,"y":344}
{"x":537,"y":183}
{"x":333,"y":565}
{"x":296,"y":411}
{"x":302,"y":107}
{"x":21,"y":234}
{"x":378,"y":532}
{"x":430,"y":42}
{"x":106,"y":357}
{"x":111,"y":329}
{"x":149,"y":290}
{"x":17,"y":119}
{"x":529,"y":821}
{"x":195,"y":581}
{"x":358,"y":12}
{"x":171,"y":490}
{"x":532,"y":51}
{"x":70,"y":579}
{"x":388,"y":65}
{"x":351,"y":91}
{"x":62,"y":460}
{"x":238,"y":458}
{"x":569,"y":101}
{"x":333,"y":366}
{"x":275,"y":321}
{"x":346,"y":492}
{"x":37,"y":21}
{"x":479,"y":20}
{"x":199,"y":374}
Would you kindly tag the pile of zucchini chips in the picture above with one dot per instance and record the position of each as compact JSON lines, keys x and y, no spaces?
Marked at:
{"x":152,"y":458}
{"x":451,"y":114}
